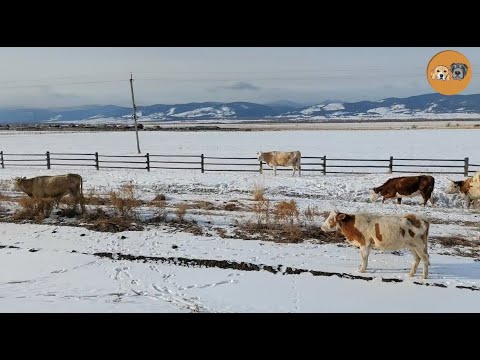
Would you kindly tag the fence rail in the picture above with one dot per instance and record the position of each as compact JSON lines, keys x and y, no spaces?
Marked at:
{"x":316,"y":164}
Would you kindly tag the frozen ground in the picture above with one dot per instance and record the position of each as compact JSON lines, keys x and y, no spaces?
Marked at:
{"x":41,"y":273}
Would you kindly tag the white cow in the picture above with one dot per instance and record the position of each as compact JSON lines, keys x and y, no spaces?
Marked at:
{"x":281,"y":158}
{"x":384,"y":233}
{"x":468,"y":188}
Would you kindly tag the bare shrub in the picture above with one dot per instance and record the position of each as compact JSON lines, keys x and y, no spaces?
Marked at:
{"x":262,"y":211}
{"x":311,"y":213}
{"x":93,"y":198}
{"x":124,"y":201}
{"x":258,"y":192}
{"x":180,"y":211}
{"x":35,"y":209}
{"x":286,"y":212}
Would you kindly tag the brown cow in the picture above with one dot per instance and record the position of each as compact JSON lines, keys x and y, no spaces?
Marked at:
{"x":53,"y":187}
{"x":281,"y":158}
{"x":406,"y":186}
{"x":383,"y":232}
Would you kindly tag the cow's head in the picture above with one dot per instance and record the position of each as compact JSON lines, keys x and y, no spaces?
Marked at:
{"x":260,"y":156}
{"x":453,"y":186}
{"x":18,"y":182}
{"x":332,"y":222}
{"x":375,"y":194}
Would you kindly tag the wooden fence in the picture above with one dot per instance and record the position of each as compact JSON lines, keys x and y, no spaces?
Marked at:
{"x":314,"y":164}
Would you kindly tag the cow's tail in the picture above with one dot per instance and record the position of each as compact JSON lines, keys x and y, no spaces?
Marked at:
{"x":299,"y":163}
{"x":427,"y":225}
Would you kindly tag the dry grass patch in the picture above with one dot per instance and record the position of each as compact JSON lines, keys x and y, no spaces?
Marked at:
{"x":34,"y":209}
{"x":203,"y":205}
{"x":258,"y":192}
{"x":232,"y":207}
{"x":4,"y":197}
{"x":286,"y":212}
{"x":125,"y":202}
{"x":99,"y":220}
{"x":221,"y":232}
{"x":281,"y":223}
{"x":181,"y":211}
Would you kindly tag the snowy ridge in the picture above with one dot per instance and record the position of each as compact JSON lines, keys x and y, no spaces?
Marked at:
{"x":430,"y":106}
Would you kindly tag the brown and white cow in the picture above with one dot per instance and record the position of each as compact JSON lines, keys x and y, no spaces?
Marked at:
{"x":281,"y":158}
{"x":53,"y":187}
{"x":468,"y":188}
{"x":406,"y":186}
{"x":383,"y":232}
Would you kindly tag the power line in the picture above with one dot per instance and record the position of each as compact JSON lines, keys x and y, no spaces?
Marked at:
{"x":60,"y":84}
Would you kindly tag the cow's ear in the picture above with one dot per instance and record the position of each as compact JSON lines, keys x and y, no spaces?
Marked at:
{"x":341,"y":216}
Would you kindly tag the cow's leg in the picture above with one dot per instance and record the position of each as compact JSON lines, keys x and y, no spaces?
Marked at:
{"x":415,"y":262}
{"x":387,"y":196}
{"x":431,"y":200}
{"x":399,"y":201}
{"x":364,"y":250}
{"x":294,"y":168}
{"x":468,"y":201}
{"x":299,"y":170}
{"x":275,"y":170}
{"x":425,"y":199}
{"x":423,"y":254}
{"x":74,"y":195}
{"x":426,"y":263}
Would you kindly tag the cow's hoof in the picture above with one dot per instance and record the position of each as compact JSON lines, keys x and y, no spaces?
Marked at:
{"x":362,"y":270}
{"x":411,"y":274}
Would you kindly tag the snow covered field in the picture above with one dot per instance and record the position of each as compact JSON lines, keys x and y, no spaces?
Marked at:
{"x":41,"y":273}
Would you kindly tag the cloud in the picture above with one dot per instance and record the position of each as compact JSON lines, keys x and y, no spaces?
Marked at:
{"x":242,"y":85}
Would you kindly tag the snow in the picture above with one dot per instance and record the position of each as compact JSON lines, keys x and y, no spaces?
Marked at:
{"x":43,"y":274}
{"x":312,"y":109}
{"x":334,"y":106}
{"x":206,"y":111}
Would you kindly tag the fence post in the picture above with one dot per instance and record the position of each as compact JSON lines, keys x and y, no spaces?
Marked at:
{"x":390,"y":165}
{"x":48,"y":160}
{"x":96,"y":161}
{"x":1,"y":159}
{"x":147,"y":155}
{"x":324,"y":164}
{"x":465,"y":167}
{"x":261,"y":167}
{"x":202,"y":163}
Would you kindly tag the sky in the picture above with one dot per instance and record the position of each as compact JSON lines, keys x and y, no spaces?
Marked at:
{"x":62,"y":77}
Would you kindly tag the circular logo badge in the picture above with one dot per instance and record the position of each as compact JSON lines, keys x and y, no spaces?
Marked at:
{"x":449,"y":72}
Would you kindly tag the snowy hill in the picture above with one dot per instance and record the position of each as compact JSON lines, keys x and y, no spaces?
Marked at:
{"x":429,"y":106}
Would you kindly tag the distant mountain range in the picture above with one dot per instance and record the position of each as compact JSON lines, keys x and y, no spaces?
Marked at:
{"x":429,"y":106}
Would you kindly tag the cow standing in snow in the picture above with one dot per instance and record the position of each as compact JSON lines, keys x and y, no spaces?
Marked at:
{"x":281,"y":158}
{"x":468,"y":188}
{"x":53,"y":187}
{"x":406,"y":186}
{"x":383,"y":232}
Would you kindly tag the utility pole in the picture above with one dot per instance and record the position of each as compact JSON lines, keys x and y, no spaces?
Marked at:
{"x":134,"y":113}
